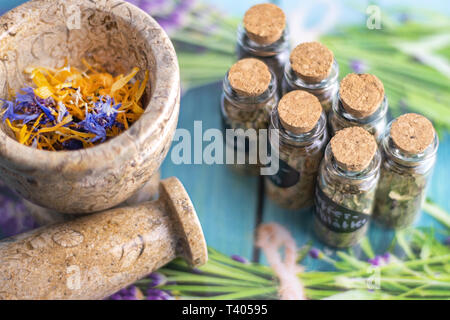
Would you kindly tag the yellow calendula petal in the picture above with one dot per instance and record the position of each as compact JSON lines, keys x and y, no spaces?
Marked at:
{"x":13,"y":128}
{"x":39,"y":79}
{"x":124,"y":80}
{"x":137,"y":109}
{"x":23,"y":134}
{"x":35,"y":125}
{"x":63,"y":85}
{"x":65,"y":121}
{"x":142,"y":87}
{"x":132,"y":90}
{"x":43,"y":92}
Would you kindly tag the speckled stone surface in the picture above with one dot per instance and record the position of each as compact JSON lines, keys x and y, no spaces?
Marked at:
{"x":44,"y":216}
{"x":94,"y":256}
{"x":119,"y":36}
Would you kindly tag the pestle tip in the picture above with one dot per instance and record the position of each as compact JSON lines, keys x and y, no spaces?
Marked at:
{"x":194,"y":248}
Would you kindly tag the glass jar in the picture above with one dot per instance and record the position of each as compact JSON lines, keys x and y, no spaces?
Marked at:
{"x":339,"y":118}
{"x":299,"y":155}
{"x":344,"y":201}
{"x":275,"y":55}
{"x":324,"y":90}
{"x":403,"y":183}
{"x":246,"y":112}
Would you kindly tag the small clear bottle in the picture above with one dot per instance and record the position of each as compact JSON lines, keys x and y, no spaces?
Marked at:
{"x":264,"y":35}
{"x":346,"y":186}
{"x":249,"y":95}
{"x":350,"y":110}
{"x":409,"y":149}
{"x":302,"y":136}
{"x":312,"y":68}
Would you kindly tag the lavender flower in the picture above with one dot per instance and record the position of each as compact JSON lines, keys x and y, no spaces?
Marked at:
{"x":129,"y":293}
{"x":171,"y":15}
{"x":315,"y":253}
{"x":14,"y":218}
{"x":196,"y":271}
{"x":156,"y":294}
{"x":386,"y":256}
{"x":150,"y":5}
{"x":240,"y":259}
{"x":375,"y":261}
{"x":404,"y":17}
{"x":157,"y":279}
{"x":358,"y":66}
{"x":447,"y":241}
{"x":380,"y":260}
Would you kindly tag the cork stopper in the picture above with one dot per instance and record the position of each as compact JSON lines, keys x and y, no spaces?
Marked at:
{"x":353,"y":148}
{"x":249,"y":77}
{"x":312,"y":61}
{"x":264,"y":23}
{"x":412,"y":133}
{"x":299,"y":111}
{"x":361,"y":94}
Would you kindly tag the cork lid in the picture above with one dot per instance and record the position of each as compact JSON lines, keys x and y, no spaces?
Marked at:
{"x":353,"y":148}
{"x":361,"y":94}
{"x":249,"y":77}
{"x":299,"y":111}
{"x":312,"y":61}
{"x":412,"y":133}
{"x":264,"y":23}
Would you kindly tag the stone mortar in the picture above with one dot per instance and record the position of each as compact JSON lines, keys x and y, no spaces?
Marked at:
{"x":118,"y":36}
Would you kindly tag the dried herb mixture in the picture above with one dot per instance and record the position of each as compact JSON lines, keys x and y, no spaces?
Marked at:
{"x":72,"y":109}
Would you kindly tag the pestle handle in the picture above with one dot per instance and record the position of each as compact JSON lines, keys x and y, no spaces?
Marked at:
{"x":94,"y":256}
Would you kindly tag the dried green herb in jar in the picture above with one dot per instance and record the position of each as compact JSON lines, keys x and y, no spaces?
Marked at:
{"x":346,"y":187}
{"x":264,"y":35}
{"x":301,"y":125}
{"x":249,"y":95}
{"x":312,"y":68}
{"x":361,"y":102}
{"x":409,"y":148}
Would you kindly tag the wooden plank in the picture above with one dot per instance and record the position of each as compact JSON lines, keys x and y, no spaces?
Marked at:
{"x":8,"y":5}
{"x":225,"y":202}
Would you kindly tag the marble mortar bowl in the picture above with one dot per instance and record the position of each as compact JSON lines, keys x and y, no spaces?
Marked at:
{"x":118,"y":36}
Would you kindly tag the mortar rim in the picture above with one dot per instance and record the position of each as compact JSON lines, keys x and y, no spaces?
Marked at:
{"x":156,"y":110}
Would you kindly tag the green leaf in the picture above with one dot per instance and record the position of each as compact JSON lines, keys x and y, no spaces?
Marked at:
{"x":403,"y":243}
{"x":436,"y":212}
{"x":367,"y":248}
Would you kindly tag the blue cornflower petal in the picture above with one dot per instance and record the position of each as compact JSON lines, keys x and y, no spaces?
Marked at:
{"x":12,"y":116}
{"x":46,"y":110}
{"x":90,"y":125}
